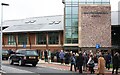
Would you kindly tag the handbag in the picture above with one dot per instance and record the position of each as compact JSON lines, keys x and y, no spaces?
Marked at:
{"x":91,"y":64}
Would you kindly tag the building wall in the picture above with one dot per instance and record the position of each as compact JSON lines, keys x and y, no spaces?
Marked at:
{"x":31,"y":43}
{"x":94,"y":25}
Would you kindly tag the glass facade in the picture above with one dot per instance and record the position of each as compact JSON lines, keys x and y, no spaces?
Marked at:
{"x":87,"y":1}
{"x":11,"y":40}
{"x":40,"y":38}
{"x":53,"y":38}
{"x":71,"y":18}
{"x":22,"y":39}
{"x":71,"y":22}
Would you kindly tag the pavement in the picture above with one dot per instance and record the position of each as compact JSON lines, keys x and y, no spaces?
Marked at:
{"x":59,"y":66}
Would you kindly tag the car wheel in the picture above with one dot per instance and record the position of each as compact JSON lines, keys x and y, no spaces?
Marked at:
{"x":11,"y":61}
{"x":20,"y":63}
{"x":34,"y":65}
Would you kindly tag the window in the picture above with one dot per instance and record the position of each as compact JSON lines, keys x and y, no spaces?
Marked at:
{"x":67,"y":0}
{"x":68,"y":16}
{"x":11,"y":40}
{"x":22,"y":39}
{"x":97,"y":1}
{"x":75,"y":22}
{"x":31,"y":52}
{"x":75,"y":0}
{"x":68,"y":22}
{"x":90,"y":1}
{"x":74,"y":10}
{"x":20,"y":51}
{"x":53,"y":38}
{"x":68,"y":10}
{"x":41,"y":38}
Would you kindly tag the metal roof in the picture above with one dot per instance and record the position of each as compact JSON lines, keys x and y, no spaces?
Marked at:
{"x":47,"y":23}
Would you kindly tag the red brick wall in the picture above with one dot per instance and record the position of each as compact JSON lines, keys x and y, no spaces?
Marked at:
{"x":94,"y":25}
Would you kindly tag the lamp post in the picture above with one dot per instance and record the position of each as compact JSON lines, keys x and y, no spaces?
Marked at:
{"x":2,"y":4}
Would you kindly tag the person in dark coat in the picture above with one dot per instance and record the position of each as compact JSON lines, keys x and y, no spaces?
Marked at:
{"x":46,"y":55}
{"x":73,"y":62}
{"x":116,"y":62}
{"x":80,"y":61}
{"x":57,"y":55}
{"x":67,"y":56}
{"x":77,"y":63}
{"x":108,"y":61}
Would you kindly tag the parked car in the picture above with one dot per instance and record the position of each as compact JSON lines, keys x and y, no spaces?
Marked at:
{"x":23,"y":57}
{"x":5,"y":54}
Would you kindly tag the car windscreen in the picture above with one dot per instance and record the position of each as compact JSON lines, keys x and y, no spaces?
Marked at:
{"x":4,"y":51}
{"x":30,"y":52}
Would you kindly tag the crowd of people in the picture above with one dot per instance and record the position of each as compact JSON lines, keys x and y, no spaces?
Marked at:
{"x":84,"y":61}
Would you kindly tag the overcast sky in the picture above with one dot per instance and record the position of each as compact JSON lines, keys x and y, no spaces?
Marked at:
{"x":20,"y":9}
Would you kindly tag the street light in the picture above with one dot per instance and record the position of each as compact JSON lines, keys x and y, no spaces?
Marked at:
{"x":2,"y":4}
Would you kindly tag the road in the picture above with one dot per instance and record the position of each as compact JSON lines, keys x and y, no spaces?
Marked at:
{"x":42,"y":69}
{"x":28,"y":69}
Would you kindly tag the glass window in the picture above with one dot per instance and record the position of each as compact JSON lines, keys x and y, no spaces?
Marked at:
{"x":82,"y":0}
{"x":74,"y":10}
{"x":74,"y":22}
{"x":75,"y":0}
{"x":11,"y":40}
{"x":97,"y":1}
{"x":68,"y":22}
{"x":74,"y":30}
{"x":74,"y":40}
{"x":68,"y":10}
{"x":74,"y":35}
{"x":53,"y":38}
{"x":105,"y":0}
{"x":20,"y":51}
{"x":74,"y":16}
{"x":67,"y":0}
{"x":68,"y":4}
{"x":90,"y":1}
{"x":22,"y":39}
{"x":68,"y":32}
{"x":4,"y":52}
{"x":31,"y":52}
{"x":68,"y":40}
{"x":41,"y":38}
{"x":67,"y":16}
{"x":82,"y":3}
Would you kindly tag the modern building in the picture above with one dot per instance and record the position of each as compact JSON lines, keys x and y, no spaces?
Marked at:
{"x":86,"y":25}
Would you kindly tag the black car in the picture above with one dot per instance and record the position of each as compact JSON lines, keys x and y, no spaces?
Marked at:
{"x":5,"y":54}
{"x":23,"y":57}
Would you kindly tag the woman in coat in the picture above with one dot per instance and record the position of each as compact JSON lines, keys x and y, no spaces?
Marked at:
{"x":101,"y":65}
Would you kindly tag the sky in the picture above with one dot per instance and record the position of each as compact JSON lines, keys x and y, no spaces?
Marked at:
{"x":21,"y":9}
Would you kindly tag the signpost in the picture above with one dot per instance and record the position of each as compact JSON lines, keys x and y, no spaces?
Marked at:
{"x":2,"y":4}
{"x":97,"y":46}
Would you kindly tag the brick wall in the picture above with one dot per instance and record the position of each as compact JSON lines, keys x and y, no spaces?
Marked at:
{"x":94,"y":25}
